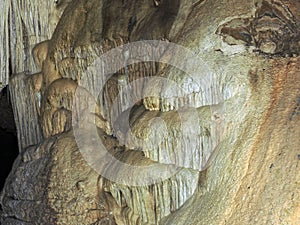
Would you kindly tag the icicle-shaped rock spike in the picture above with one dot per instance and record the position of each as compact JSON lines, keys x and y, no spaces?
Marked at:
{"x":147,"y":204}
{"x":185,"y":138}
{"x":23,"y":94}
{"x":4,"y":43}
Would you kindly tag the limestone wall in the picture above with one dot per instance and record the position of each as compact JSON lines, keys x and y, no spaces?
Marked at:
{"x":155,"y":112}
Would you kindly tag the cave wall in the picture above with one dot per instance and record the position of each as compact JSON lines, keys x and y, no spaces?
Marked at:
{"x":23,"y":25}
{"x":153,"y":112}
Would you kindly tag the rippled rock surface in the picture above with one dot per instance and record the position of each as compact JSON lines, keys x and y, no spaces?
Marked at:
{"x":153,"y":112}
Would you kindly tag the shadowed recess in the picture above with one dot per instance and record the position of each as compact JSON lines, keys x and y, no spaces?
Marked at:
{"x":9,"y":143}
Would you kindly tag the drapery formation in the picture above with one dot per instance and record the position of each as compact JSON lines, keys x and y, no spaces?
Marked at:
{"x":23,"y":25}
{"x":153,"y":112}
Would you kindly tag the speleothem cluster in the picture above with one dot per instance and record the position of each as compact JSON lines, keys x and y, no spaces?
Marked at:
{"x":209,"y":126}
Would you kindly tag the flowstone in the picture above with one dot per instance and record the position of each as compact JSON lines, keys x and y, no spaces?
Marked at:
{"x":153,"y":112}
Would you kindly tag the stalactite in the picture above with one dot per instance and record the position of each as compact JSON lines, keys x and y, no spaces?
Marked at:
{"x":4,"y":43}
{"x":23,"y":24}
{"x":147,"y":204}
{"x":23,"y":94}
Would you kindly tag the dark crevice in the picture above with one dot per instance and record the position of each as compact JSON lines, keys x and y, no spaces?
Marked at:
{"x":8,"y":137}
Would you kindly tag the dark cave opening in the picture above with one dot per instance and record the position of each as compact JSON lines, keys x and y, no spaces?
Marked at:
{"x":8,"y":137}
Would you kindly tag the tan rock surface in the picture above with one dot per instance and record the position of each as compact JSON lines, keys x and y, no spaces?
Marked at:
{"x":200,"y":127}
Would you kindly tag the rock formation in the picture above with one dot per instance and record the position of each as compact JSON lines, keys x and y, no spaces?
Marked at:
{"x":153,"y":112}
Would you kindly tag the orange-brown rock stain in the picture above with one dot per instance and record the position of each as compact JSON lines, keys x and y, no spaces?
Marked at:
{"x":270,"y":190}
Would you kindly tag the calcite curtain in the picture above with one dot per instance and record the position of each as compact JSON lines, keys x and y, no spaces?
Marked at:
{"x":153,"y":112}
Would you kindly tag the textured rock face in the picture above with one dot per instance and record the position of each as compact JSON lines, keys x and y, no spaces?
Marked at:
{"x":23,"y":25}
{"x":199,"y":127}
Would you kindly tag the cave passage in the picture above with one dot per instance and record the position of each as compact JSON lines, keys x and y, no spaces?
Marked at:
{"x":8,"y":138}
